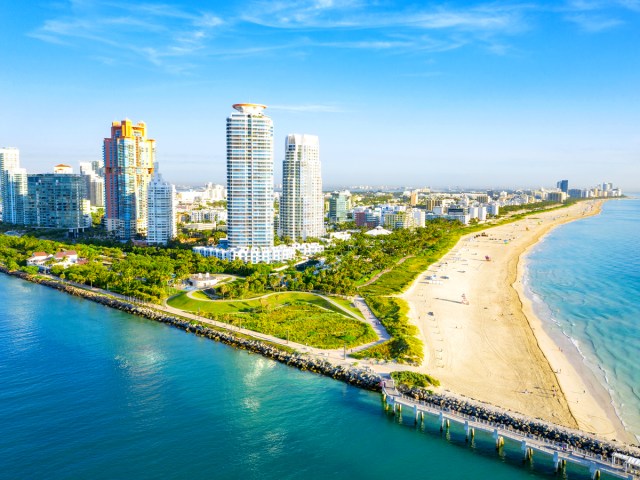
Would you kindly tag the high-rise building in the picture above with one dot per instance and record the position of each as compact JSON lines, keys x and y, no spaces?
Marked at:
{"x":128,"y":161}
{"x":339,"y":206}
{"x":563,"y":185}
{"x":14,"y":197}
{"x":161,"y":210}
{"x":93,"y":173}
{"x":57,"y":200}
{"x":9,"y":159}
{"x":249,"y":177}
{"x":302,"y":202}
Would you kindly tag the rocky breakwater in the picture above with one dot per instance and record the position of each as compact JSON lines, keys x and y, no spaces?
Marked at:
{"x":351,"y":375}
{"x":564,"y":437}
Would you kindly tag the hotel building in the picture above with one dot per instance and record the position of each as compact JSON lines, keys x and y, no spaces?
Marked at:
{"x":302,"y":203}
{"x":128,"y":161}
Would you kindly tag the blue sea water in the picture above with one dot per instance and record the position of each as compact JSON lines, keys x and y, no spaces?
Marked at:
{"x":585,"y":281}
{"x":90,"y":392}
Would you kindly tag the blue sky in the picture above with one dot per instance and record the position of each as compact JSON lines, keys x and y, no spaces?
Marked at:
{"x":477,"y":94}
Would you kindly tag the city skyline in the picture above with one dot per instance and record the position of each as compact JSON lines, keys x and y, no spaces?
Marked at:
{"x":470,"y":94}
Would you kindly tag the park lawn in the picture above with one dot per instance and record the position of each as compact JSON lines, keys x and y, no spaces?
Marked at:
{"x":300,"y":317}
{"x":305,"y":324}
{"x":183,"y":302}
{"x":348,"y":305}
{"x":200,"y":295}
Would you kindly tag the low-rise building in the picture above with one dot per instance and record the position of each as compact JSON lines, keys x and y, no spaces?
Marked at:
{"x":275,"y":254}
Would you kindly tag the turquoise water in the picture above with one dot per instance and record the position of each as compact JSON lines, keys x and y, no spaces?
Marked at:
{"x":585,"y":277}
{"x":90,"y":392}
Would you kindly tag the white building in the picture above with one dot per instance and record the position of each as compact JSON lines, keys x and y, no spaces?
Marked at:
{"x":302,"y":203}
{"x":250,"y":177}
{"x":93,"y":173}
{"x":9,"y":159}
{"x":274,"y":254}
{"x":419,"y":217}
{"x":14,"y":196}
{"x":161,"y":210}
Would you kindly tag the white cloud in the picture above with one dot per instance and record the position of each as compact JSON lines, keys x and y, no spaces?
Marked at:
{"x":308,"y":108}
{"x":594,"y":23}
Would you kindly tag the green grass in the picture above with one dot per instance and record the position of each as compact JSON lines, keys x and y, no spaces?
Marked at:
{"x":183,"y":302}
{"x":348,"y":305}
{"x":200,"y":295}
{"x":301,"y":317}
{"x":404,"y":346}
{"x":414,"y":379}
{"x":401,"y":276}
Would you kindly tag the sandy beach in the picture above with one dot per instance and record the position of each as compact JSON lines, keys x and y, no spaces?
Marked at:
{"x":483,"y":339}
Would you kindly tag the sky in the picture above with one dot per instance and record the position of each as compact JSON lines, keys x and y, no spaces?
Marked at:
{"x":483,"y":94}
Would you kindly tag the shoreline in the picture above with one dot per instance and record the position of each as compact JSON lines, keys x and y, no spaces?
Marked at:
{"x":598,"y":412}
{"x":453,"y":404}
{"x":493,"y":332}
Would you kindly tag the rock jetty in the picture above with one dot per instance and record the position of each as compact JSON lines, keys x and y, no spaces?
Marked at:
{"x":573,"y":439}
{"x":351,"y":375}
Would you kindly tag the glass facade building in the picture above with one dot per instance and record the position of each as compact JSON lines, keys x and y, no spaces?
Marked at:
{"x":57,"y":201}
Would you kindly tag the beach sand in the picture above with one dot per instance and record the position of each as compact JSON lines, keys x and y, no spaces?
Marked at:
{"x":491,"y":346}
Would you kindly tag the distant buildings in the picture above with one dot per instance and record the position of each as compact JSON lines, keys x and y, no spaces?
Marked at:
{"x":57,"y":200}
{"x":128,"y":161}
{"x":250,"y":177}
{"x":93,"y":173}
{"x":563,"y":185}
{"x":557,"y":197}
{"x":339,"y":206}
{"x":161,"y":210}
{"x":302,"y":202}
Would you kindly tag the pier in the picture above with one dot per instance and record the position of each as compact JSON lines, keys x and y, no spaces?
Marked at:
{"x":620,"y":466}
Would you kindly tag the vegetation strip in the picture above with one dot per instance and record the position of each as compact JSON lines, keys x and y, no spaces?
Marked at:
{"x":350,"y":375}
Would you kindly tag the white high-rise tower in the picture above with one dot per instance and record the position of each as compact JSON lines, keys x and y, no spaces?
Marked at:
{"x":302,"y":204}
{"x":9,"y":159}
{"x":161,"y":210}
{"x":249,"y":177}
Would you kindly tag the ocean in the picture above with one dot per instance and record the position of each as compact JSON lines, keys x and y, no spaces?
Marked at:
{"x":91,"y":392}
{"x":584,"y":279}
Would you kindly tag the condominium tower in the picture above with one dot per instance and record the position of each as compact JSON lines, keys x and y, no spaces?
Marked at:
{"x":128,"y":160}
{"x":302,"y":203}
{"x":14,"y":199}
{"x":93,"y":174}
{"x":249,"y":177}
{"x":339,"y":206}
{"x":57,"y":200}
{"x":9,"y":159}
{"x":161,"y":210}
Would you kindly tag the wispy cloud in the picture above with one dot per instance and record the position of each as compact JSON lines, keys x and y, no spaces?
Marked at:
{"x":594,"y":23}
{"x":160,"y":34}
{"x":308,"y":108}
{"x":175,"y":38}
